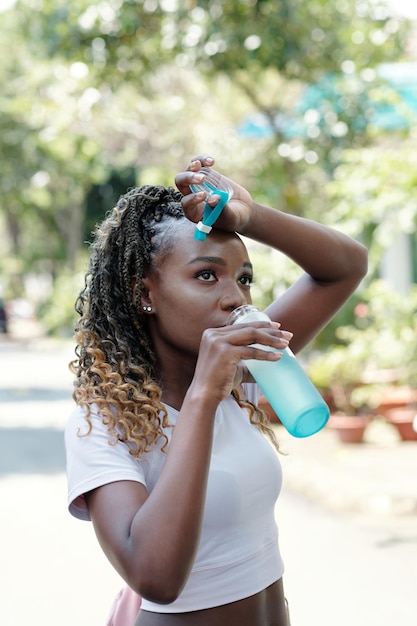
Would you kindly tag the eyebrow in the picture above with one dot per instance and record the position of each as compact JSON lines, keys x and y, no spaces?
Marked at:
{"x":216,"y":260}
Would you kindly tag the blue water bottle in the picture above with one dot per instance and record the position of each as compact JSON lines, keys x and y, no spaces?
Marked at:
{"x":284,"y":383}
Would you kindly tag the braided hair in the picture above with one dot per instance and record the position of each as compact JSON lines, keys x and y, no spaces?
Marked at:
{"x":115,"y":364}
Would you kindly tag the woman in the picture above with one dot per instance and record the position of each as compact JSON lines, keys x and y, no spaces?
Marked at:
{"x":166,"y":449}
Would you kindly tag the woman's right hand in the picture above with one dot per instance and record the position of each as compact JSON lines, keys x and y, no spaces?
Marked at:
{"x":219,"y":366}
{"x":237,"y":212}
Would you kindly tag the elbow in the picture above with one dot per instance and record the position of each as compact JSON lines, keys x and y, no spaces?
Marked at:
{"x":361,"y":265}
{"x":156,"y":574}
{"x":159,"y":596}
{"x":158,"y":592}
{"x":158,"y":588}
{"x":357,"y":262}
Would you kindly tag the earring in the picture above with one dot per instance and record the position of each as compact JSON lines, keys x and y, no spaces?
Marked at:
{"x":147,"y":309}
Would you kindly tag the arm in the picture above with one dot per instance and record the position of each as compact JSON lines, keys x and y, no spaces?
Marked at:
{"x":333,"y":263}
{"x":151,"y":539}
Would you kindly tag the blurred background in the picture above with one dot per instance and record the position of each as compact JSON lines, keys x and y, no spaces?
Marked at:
{"x":312,"y":105}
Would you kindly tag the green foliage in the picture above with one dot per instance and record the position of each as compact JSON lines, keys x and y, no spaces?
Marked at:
{"x":91,"y":88}
{"x":57,"y":314}
{"x":273,"y":274}
{"x":102,"y":197}
{"x":375,"y":195}
{"x":379,"y":345}
{"x":302,"y":40}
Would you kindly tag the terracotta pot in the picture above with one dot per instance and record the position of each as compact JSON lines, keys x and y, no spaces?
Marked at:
{"x":403,"y":419}
{"x":395,"y":398}
{"x":349,"y":428}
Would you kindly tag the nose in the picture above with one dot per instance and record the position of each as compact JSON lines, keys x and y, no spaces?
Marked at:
{"x":233,"y":298}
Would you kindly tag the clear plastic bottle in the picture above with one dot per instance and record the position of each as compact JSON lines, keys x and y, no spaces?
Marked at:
{"x":286,"y":386}
{"x":214,"y":185}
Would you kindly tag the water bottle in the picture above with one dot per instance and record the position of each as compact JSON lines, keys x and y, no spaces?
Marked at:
{"x":284,"y":383}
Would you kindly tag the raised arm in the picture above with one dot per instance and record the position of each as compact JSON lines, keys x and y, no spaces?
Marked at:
{"x":333,"y":263}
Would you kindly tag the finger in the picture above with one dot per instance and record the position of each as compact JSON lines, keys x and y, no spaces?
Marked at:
{"x":203,"y":160}
{"x":213,"y":200}
{"x":285,"y":334}
{"x":268,"y":336}
{"x":263,"y":355}
{"x":193,"y":206}
{"x":183,"y":180}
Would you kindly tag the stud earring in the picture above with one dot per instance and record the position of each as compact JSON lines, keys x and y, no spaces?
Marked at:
{"x":147,"y":309}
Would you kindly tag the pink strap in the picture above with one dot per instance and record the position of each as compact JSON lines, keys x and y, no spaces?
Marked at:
{"x":125,"y":608}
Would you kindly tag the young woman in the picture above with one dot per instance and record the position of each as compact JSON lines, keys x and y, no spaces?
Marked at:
{"x":166,"y":452}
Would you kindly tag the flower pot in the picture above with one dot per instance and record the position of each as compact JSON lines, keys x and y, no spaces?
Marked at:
{"x":395,"y":398}
{"x":403,"y":419}
{"x":349,"y":428}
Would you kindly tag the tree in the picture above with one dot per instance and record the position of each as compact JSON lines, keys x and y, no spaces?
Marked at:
{"x":270,"y":49}
{"x":99,"y":87}
{"x":374,"y":193}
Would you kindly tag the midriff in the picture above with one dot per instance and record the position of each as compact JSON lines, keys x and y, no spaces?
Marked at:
{"x":267,"y":608}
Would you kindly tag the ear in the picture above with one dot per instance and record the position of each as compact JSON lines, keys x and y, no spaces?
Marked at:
{"x":146,"y":299}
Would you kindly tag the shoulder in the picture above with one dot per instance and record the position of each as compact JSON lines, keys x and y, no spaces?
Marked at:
{"x":94,"y":458}
{"x":79,"y":424}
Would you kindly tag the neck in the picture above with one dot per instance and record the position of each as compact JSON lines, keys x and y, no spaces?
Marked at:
{"x":175,"y":377}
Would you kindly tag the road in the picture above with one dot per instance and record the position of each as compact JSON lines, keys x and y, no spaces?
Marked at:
{"x":341,"y":568}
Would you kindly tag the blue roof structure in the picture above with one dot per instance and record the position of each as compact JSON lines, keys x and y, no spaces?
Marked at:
{"x":332,"y":92}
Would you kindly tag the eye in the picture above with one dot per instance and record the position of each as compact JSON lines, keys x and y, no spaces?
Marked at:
{"x":246,"y":280}
{"x":206,"y":276}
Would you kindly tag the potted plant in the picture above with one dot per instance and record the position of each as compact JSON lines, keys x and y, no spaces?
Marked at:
{"x":398,"y":400}
{"x":337,"y":373}
{"x":374,"y":369}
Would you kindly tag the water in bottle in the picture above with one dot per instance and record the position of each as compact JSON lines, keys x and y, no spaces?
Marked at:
{"x":284,"y":383}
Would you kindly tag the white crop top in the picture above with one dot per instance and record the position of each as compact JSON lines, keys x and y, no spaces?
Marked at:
{"x":238,"y":554}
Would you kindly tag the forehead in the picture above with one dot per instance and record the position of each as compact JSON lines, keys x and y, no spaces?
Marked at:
{"x":218,"y":243}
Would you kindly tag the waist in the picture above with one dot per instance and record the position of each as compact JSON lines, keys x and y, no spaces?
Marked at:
{"x":265,"y":608}
{"x":219,"y":585}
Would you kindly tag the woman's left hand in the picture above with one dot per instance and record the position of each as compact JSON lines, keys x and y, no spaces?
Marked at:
{"x":237,"y":212}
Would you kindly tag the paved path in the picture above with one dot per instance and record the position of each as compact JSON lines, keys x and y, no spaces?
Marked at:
{"x":361,"y":531}
{"x":52,"y":572}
